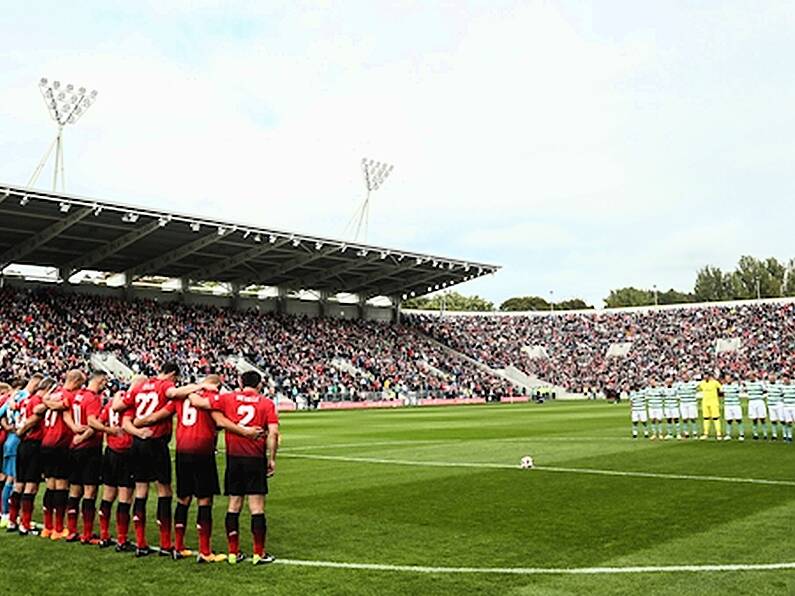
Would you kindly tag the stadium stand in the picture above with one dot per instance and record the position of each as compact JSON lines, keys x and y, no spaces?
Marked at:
{"x":52,"y":331}
{"x":663,"y":341}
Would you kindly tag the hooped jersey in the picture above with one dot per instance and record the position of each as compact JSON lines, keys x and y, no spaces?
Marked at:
{"x":775,"y":394}
{"x":638,"y":401}
{"x":755,"y":390}
{"x":731,"y":394}
{"x":654,"y":397}
{"x":670,"y":397}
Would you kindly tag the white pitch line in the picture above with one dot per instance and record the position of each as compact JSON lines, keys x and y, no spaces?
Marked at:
{"x":542,"y":570}
{"x":444,"y":464}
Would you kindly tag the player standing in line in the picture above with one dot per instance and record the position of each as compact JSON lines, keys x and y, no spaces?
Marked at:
{"x":654,"y":401}
{"x":12,"y":490}
{"x":638,"y":401}
{"x":55,"y":447}
{"x":151,"y":458}
{"x":757,"y":411}
{"x":31,"y":432}
{"x":775,"y":407}
{"x":247,"y":468}
{"x":5,"y":394}
{"x":732,"y":408}
{"x":688,"y":405}
{"x":117,"y":477}
{"x":671,"y":407}
{"x":788,"y":407}
{"x":197,"y":472}
{"x":85,"y":452}
{"x":710,"y":405}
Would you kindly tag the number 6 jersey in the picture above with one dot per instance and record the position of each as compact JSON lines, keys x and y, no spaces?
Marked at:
{"x":195,"y":426}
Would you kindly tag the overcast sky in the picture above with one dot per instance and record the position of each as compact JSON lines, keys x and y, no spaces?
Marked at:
{"x":582,"y":146}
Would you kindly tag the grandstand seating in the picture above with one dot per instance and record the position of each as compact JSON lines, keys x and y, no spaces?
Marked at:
{"x":663,"y":342}
{"x":51,"y":331}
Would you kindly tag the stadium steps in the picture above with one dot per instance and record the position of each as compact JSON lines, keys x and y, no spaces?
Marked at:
{"x":112,"y":366}
{"x":516,"y":382}
{"x":433,"y":370}
{"x":345,"y":366}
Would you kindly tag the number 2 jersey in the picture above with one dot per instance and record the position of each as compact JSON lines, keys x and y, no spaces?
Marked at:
{"x":147,"y":398}
{"x":250,"y":409}
{"x":195,"y":426}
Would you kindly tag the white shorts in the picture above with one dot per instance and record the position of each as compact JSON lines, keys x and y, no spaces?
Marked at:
{"x":656,"y":413}
{"x":733,"y":412}
{"x":672,"y":412}
{"x":757,"y":409}
{"x":689,"y":411}
{"x":639,"y":416}
{"x":789,"y":414}
{"x":776,"y":412}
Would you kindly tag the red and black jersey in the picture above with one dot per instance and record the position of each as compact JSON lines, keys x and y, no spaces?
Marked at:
{"x":246,"y":408}
{"x":36,"y":433}
{"x":56,"y":432}
{"x":113,"y":419}
{"x":83,"y":404}
{"x":147,"y":398}
{"x":195,"y":426}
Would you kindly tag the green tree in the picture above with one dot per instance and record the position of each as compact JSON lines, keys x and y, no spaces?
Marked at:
{"x":573,"y":304}
{"x":754,"y":277}
{"x":675,"y":297}
{"x":712,"y":285}
{"x":520,"y":303}
{"x":789,"y":279}
{"x":449,"y":301}
{"x":629,"y":297}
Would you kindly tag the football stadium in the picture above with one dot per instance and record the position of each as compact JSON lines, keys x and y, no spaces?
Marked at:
{"x":216,"y":404}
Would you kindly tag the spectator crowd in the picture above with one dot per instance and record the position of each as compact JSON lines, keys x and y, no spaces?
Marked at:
{"x":663,"y":342}
{"x":313,"y":358}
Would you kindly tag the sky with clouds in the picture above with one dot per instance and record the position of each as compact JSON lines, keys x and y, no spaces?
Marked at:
{"x":582,"y":146}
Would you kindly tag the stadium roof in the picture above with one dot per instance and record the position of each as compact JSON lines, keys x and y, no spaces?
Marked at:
{"x":76,"y":233}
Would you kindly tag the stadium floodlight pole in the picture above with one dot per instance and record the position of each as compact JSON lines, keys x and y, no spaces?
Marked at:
{"x":656,"y":299}
{"x":66,"y":105}
{"x":375,"y":173}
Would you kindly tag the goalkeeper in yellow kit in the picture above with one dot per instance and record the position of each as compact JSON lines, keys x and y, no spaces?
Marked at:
{"x":710,"y":405}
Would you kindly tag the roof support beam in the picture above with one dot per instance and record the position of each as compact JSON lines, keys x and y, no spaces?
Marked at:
{"x":153,"y":265}
{"x":209,"y":272}
{"x":266,"y":275}
{"x":367,"y":282}
{"x":311,"y":281}
{"x":111,"y":248}
{"x":23,"y":249}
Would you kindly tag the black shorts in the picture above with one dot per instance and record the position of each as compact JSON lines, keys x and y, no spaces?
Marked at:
{"x":29,"y":461}
{"x":55,"y":462}
{"x":116,"y":469}
{"x":151,"y":460}
{"x":197,"y":475}
{"x":245,"y":476}
{"x":86,"y":466}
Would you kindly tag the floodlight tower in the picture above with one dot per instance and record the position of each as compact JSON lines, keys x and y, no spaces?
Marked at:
{"x":66,"y":105}
{"x":375,"y":173}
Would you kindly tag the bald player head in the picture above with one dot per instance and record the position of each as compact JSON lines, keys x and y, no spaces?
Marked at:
{"x":213,"y":380}
{"x":74,"y":380}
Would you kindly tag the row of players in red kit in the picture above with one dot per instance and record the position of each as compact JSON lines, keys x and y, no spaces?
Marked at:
{"x":61,"y":431}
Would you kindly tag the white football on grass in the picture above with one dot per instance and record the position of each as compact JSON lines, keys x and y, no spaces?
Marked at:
{"x":526,"y":463}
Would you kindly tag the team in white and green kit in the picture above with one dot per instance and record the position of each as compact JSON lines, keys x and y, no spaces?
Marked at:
{"x":670,"y":410}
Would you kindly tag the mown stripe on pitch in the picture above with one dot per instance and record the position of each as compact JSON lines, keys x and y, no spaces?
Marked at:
{"x":594,"y":471}
{"x":719,"y":567}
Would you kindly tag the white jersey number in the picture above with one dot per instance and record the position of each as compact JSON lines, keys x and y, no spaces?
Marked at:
{"x":50,"y":418}
{"x":189,"y":413}
{"x":245,"y":413}
{"x":147,"y":402}
{"x":76,"y":414}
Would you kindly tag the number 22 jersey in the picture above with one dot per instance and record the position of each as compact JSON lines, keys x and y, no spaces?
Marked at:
{"x":149,"y":397}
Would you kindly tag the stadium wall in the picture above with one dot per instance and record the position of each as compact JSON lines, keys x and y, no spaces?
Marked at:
{"x":601,"y":311}
{"x":293,"y":306}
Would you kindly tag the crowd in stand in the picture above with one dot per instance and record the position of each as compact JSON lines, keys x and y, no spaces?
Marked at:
{"x":662,"y":341}
{"x":312,"y":358}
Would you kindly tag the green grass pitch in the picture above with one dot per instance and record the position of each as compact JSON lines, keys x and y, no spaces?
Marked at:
{"x":407,"y":514}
